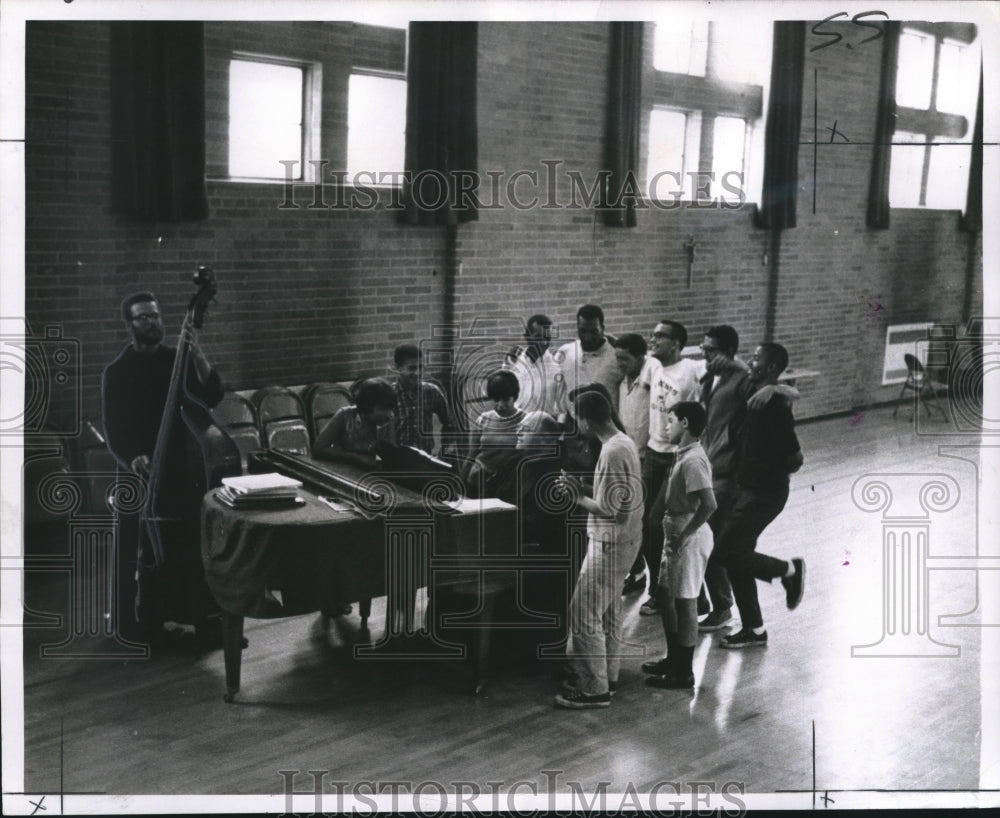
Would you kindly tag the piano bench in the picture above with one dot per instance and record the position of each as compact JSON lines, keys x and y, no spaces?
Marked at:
{"x":485,"y":590}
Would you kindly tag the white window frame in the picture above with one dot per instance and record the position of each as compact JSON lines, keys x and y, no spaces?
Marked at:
{"x":390,"y":181}
{"x":752,"y":117}
{"x":919,"y":121}
{"x":312,"y":113}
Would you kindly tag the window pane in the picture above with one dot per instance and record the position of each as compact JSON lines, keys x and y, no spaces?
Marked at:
{"x":265,"y":118}
{"x":376,"y":125}
{"x":905,"y":170}
{"x":673,"y":148}
{"x":948,"y":177}
{"x":958,"y":80}
{"x":741,"y":50}
{"x":727,"y":156}
{"x":681,"y":48}
{"x":916,"y":69}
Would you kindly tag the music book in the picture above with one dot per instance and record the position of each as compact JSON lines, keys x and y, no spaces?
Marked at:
{"x":258,"y":502}
{"x":269,"y":484}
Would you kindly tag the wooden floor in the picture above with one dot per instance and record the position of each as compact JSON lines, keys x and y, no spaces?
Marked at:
{"x":803,"y":714}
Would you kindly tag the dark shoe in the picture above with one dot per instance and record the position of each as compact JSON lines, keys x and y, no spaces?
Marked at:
{"x":633,"y":584}
{"x":744,"y":638}
{"x":715,"y":621}
{"x":332,"y":612}
{"x":581,"y":701}
{"x":649,"y":607}
{"x":672,"y":681}
{"x":658,"y":667}
{"x":795,"y":584}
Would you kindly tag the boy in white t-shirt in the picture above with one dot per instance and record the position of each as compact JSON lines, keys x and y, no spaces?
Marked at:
{"x":673,"y":379}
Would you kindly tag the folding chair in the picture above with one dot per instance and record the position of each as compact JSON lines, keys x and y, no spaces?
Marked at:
{"x":919,"y":382}
{"x":282,"y":419}
{"x":323,"y":401}
{"x":238,"y":417}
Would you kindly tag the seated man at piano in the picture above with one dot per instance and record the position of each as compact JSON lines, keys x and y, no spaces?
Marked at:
{"x":354,"y":434}
{"x":161,"y":579}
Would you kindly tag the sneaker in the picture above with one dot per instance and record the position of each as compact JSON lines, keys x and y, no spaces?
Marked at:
{"x":795,"y":584}
{"x":649,"y":607}
{"x":633,"y":584}
{"x":744,"y":638}
{"x":569,"y":686}
{"x":659,"y":667}
{"x":715,"y":621}
{"x":672,"y":681}
{"x":581,"y":701}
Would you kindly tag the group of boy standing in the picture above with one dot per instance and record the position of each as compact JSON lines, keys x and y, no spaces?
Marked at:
{"x":694,"y":464}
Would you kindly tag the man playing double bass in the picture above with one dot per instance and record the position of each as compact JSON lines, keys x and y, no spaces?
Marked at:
{"x":134,"y":390}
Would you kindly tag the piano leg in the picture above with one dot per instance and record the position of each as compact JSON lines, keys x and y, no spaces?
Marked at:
{"x":232,"y":646}
{"x":365,"y":609}
{"x":482,"y":657}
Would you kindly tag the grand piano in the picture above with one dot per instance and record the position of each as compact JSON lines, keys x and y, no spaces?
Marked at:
{"x":358,"y":534}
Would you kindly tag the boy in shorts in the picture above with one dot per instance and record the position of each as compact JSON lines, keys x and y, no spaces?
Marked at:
{"x":687,"y":544}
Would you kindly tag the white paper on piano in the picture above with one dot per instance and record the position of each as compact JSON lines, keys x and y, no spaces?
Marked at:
{"x":468,"y":505}
{"x":268,"y":483}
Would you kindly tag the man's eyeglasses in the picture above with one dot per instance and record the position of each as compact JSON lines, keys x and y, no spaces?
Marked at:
{"x":661,"y":335}
{"x":147,"y":317}
{"x":708,"y":350}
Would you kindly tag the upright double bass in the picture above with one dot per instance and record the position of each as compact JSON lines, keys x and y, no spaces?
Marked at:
{"x":192,"y":452}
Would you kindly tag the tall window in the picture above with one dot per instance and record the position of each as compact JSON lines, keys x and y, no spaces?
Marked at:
{"x":705,"y":94}
{"x":376,"y":126}
{"x":273,"y":117}
{"x":937,"y":83}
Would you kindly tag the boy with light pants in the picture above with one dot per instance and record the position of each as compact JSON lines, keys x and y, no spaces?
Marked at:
{"x":687,"y":544}
{"x":614,"y":529}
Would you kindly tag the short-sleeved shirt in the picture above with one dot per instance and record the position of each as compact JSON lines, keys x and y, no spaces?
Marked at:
{"x":766,"y":441}
{"x":679,"y":381}
{"x":578,"y":368}
{"x":618,"y":491}
{"x":691,"y":473}
{"x":539,"y":380}
{"x":633,"y":405}
{"x":497,"y":438}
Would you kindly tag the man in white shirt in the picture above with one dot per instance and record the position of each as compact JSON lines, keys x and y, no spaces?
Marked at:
{"x":589,"y":359}
{"x":672,"y":380}
{"x":537,"y":372}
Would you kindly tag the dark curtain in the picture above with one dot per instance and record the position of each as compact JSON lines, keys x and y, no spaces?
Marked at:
{"x":621,"y":136}
{"x":885,"y":127}
{"x":972,"y":219}
{"x":442,"y":150}
{"x":158,"y":120}
{"x":783,"y":127}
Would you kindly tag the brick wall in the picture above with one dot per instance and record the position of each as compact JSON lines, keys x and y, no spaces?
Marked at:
{"x":326,"y":294}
